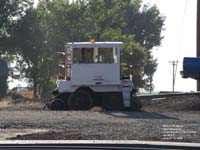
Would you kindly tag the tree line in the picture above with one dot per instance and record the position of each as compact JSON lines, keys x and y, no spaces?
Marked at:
{"x":30,"y":36}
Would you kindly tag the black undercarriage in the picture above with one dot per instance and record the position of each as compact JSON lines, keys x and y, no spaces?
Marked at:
{"x":85,"y":99}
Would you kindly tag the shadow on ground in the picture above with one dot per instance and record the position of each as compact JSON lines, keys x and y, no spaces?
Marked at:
{"x":139,"y":115}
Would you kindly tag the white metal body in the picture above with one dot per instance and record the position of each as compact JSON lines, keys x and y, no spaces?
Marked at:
{"x":100,"y":77}
{"x":91,"y":74}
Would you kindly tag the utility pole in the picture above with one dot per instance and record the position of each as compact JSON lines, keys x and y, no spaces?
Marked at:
{"x":174,"y":65}
{"x":198,"y":38}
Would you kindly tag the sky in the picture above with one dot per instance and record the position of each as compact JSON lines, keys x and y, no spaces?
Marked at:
{"x":179,"y":41}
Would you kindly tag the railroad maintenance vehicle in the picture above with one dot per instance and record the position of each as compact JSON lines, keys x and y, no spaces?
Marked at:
{"x":89,"y":75}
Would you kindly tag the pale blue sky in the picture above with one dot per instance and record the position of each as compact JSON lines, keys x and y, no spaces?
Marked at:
{"x":179,"y":41}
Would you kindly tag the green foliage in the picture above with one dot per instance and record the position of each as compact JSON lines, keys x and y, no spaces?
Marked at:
{"x":7,"y":10}
{"x":134,"y":56}
{"x":150,"y":69}
{"x":10,"y":12}
{"x":146,"y":25}
{"x":33,"y":59}
{"x":104,"y":16}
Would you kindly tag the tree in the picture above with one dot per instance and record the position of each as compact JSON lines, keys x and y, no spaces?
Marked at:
{"x":10,"y":11}
{"x":134,"y":59}
{"x":150,"y":69}
{"x":102,"y":17}
{"x":146,"y":25}
{"x":32,"y":50}
{"x":39,"y":33}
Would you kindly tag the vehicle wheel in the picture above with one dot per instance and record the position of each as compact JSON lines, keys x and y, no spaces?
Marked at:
{"x":80,"y":100}
{"x":112,"y":101}
{"x":136,"y":104}
{"x":58,"y":104}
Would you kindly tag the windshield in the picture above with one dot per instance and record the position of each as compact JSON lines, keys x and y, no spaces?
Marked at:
{"x":94,"y":55}
{"x":100,"y":70}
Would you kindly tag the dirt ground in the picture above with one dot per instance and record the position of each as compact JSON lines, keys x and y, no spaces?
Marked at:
{"x":170,"y":119}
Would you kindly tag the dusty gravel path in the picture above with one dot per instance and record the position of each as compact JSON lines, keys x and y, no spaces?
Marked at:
{"x":173,"y":119}
{"x":102,"y":125}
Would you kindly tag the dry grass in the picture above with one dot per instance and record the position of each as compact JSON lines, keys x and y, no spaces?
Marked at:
{"x":30,"y":103}
{"x":27,"y":94}
{"x":6,"y":102}
{"x":9,"y":102}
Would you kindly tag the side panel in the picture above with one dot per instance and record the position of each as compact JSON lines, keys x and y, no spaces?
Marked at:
{"x":95,"y":74}
{"x":65,"y":86}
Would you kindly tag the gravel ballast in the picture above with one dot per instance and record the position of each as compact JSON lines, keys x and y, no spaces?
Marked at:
{"x":172,"y":119}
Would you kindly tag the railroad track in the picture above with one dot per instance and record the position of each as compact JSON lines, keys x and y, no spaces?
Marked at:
{"x":166,"y":95}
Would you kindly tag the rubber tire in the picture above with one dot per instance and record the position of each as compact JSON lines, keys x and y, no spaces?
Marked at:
{"x":80,"y":100}
{"x":112,"y":101}
{"x":57,"y":104}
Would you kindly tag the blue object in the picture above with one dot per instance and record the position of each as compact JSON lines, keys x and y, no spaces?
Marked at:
{"x":191,"y":67}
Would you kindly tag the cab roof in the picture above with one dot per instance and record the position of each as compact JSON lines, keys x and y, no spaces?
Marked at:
{"x":95,"y":44}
